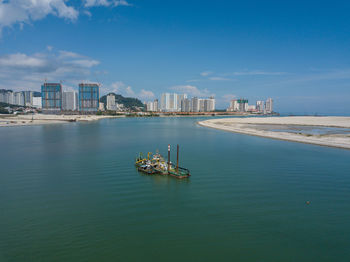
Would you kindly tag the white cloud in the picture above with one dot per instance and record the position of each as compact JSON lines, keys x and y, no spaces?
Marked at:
{"x":144,"y":94}
{"x":129,"y":91}
{"x":255,"y":73}
{"x":22,"y":61}
{"x":22,"y":71}
{"x":85,"y":62}
{"x":218,"y":78}
{"x":68,"y":54}
{"x":121,"y":89}
{"x":20,"y":12}
{"x":24,"y":11}
{"x":115,"y":3}
{"x":206,"y":73}
{"x":228,"y":97}
{"x":192,"y":90}
{"x":116,"y":87}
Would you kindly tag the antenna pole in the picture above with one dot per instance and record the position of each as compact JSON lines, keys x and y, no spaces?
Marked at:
{"x":168,"y":157}
{"x":177,"y":159}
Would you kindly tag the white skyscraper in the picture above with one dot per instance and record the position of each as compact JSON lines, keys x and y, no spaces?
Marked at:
{"x":186,"y":105}
{"x":37,"y":102}
{"x":70,"y":101}
{"x":168,"y":102}
{"x":209,"y":104}
{"x":180,"y":97}
{"x":269,"y":105}
{"x":19,"y":98}
{"x":28,"y":98}
{"x":111,"y":102}
{"x":195,"y":104}
{"x":260,"y":106}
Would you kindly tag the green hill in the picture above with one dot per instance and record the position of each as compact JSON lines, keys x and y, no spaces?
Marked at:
{"x":128,"y":102}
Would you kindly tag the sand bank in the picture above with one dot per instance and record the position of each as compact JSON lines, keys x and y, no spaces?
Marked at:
{"x":40,"y":119}
{"x":265,"y":126}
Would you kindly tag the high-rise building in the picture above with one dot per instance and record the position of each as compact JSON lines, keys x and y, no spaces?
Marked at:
{"x":111,"y":102}
{"x":180,"y":97}
{"x":51,"y":94}
{"x":8,"y":97}
{"x":88,"y":97}
{"x":260,"y":106}
{"x":186,"y":105}
{"x":70,"y":101}
{"x":149,"y":106}
{"x":2,"y":97}
{"x":238,"y":105}
{"x":37,"y":102}
{"x":168,"y":102}
{"x":269,"y":105}
{"x":152,"y":106}
{"x":28,"y":98}
{"x":233,"y":106}
{"x":101,"y":106}
{"x":155,"y":105}
{"x":243,"y":105}
{"x":201,"y":105}
{"x":19,"y":98}
{"x":195,"y":104}
{"x":209,"y":104}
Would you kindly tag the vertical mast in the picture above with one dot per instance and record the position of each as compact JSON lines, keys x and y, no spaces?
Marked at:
{"x":177,"y":159}
{"x":168,"y":157}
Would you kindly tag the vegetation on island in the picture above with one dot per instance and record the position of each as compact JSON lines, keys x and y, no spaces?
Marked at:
{"x":129,"y":103}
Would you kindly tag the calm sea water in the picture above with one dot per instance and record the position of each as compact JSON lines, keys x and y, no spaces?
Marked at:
{"x":71,"y":193}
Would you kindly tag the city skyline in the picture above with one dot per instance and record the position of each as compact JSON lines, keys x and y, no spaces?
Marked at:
{"x":158,"y":47}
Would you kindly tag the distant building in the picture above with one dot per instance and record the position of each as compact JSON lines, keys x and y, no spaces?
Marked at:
{"x":260,"y":106}
{"x":19,"y":98}
{"x":233,"y":106}
{"x":51,"y":94}
{"x":28,"y":98}
{"x":37,"y":102}
{"x":156,"y":105}
{"x":101,"y":106}
{"x":180,"y":97}
{"x":269,"y":106}
{"x":70,"y":101}
{"x":195,"y":104}
{"x":168,"y":102}
{"x":209,"y":104}
{"x":186,"y":105}
{"x":111,"y":102}
{"x":10,"y":98}
{"x":88,"y":98}
{"x":243,"y":105}
{"x":251,"y":108}
{"x":238,"y":105}
{"x":152,"y":106}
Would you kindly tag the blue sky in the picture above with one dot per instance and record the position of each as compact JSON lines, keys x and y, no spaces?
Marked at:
{"x":297,"y":52}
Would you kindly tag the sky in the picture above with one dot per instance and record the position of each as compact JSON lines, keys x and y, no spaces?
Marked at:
{"x":296,"y":52}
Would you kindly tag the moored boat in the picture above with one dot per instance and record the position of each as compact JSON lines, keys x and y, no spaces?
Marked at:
{"x":156,"y":164}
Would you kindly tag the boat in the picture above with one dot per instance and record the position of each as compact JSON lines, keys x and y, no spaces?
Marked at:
{"x":179,"y":172}
{"x":148,"y":169}
{"x":156,"y":164}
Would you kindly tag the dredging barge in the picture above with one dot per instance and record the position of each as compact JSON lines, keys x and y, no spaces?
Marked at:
{"x":156,"y":164}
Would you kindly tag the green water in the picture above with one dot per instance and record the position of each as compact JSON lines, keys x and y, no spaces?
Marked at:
{"x":71,"y":193}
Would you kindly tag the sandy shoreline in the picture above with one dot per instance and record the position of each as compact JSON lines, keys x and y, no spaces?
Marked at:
{"x":40,"y":119}
{"x":254,"y":126}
